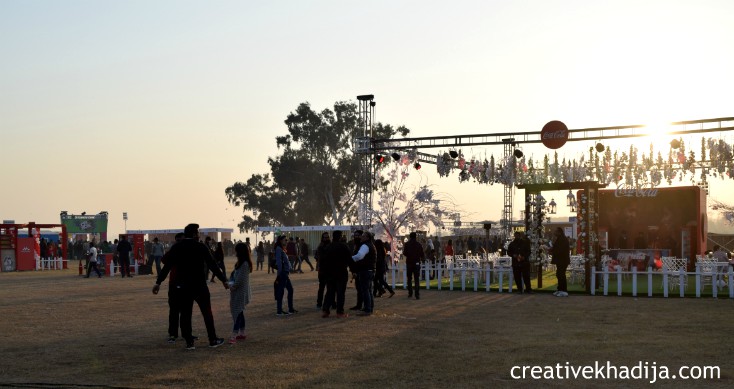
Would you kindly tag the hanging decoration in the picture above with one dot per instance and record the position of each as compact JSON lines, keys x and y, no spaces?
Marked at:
{"x":633,"y":167}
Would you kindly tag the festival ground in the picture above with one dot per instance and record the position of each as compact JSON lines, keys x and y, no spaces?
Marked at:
{"x":62,"y":330}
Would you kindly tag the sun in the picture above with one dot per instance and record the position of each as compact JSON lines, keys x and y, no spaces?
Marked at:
{"x":659,"y":133}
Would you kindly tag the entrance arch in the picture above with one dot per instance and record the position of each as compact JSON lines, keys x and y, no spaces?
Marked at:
{"x":587,"y":219}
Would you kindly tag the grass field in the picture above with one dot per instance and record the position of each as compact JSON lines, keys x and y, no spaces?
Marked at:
{"x":62,"y":330}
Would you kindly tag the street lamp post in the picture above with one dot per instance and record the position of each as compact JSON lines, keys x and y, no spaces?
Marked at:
{"x":254,"y":214}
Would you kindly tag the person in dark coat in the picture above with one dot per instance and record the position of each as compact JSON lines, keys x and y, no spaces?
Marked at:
{"x":192,"y":260}
{"x":561,"y":257}
{"x":381,"y":284}
{"x":334,"y":264}
{"x":219,"y":259}
{"x":320,"y":254}
{"x":414,"y":255}
{"x":519,"y":250}
{"x":322,"y":276}
{"x":174,"y":309}
{"x":124,"y":248}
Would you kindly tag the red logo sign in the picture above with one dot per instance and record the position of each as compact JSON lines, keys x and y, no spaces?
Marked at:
{"x":554,"y":134}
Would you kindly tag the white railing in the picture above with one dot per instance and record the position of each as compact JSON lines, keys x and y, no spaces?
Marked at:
{"x":471,"y":273}
{"x":481,"y":274}
{"x":51,"y":263}
{"x":719,"y":277}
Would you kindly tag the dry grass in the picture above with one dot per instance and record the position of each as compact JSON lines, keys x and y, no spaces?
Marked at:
{"x":65,"y":331}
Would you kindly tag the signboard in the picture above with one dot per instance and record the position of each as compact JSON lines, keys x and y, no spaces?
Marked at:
{"x":655,"y":218}
{"x":8,"y":257}
{"x":554,"y":134}
{"x":26,"y":254}
{"x":85,"y":224}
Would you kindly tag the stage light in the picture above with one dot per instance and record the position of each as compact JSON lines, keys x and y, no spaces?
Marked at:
{"x":453,"y":154}
{"x":675,"y":143}
{"x":395,"y":156}
{"x":518,"y":153}
{"x":417,"y":166}
{"x":599,"y":147}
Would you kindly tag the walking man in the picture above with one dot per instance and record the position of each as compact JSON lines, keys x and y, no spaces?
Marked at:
{"x":156,"y":253}
{"x":304,"y":254}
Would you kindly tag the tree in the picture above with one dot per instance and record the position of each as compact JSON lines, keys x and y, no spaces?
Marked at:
{"x":725,"y":210}
{"x":398,"y":207}
{"x":314,"y":179}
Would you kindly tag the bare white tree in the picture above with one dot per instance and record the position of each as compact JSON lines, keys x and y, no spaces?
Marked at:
{"x":726,"y":210}
{"x":401,"y":204}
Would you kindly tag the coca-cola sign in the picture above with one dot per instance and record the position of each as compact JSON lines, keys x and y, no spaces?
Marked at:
{"x":554,"y":134}
{"x":631,"y":191}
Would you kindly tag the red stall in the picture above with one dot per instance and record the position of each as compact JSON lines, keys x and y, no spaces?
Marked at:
{"x":20,"y":245}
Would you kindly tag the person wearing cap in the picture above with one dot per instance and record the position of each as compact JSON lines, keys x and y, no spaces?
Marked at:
{"x":190,"y":257}
{"x":414,"y":255}
{"x":364,"y":261}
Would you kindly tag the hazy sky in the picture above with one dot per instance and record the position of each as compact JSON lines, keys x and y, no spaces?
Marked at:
{"x":155,"y":107}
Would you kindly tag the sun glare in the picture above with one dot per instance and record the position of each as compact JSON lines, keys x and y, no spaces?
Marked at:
{"x":659,"y":133}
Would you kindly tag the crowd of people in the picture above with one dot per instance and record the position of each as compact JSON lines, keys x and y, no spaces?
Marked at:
{"x":189,"y":261}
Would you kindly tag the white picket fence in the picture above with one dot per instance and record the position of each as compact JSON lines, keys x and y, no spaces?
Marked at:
{"x":481,"y":274}
{"x":471,"y":273}
{"x":58,"y":264}
{"x":670,"y":279}
{"x":55,"y":263}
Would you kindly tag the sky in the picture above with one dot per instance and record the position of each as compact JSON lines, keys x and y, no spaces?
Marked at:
{"x":154,"y":107}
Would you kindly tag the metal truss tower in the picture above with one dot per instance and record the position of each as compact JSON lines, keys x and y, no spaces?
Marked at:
{"x":364,"y":151}
{"x":506,"y":220}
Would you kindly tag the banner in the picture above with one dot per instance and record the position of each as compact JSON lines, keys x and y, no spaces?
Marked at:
{"x":85,"y":224}
{"x":25,"y":254}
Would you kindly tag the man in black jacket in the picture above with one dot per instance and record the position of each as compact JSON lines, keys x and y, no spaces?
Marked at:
{"x":191,"y":259}
{"x":414,"y":255}
{"x":561,"y":257}
{"x":320,"y":254}
{"x":124,"y":248}
{"x":519,"y":250}
{"x":334,"y":265}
